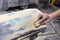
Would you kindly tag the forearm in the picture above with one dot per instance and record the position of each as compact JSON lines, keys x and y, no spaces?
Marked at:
{"x":55,"y":14}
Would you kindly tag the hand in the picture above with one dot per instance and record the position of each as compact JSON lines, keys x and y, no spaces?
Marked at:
{"x":44,"y":18}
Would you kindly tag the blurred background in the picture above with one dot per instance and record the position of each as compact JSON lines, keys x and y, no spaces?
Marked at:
{"x":52,"y":32}
{"x":23,"y":4}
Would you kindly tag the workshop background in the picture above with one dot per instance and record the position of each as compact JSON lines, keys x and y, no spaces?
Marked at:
{"x":52,"y":32}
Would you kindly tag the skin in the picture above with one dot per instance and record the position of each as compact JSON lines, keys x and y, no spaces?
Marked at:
{"x":45,"y":18}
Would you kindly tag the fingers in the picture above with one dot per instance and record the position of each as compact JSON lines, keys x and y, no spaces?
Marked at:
{"x":40,"y":17}
{"x":44,"y":18}
{"x":47,"y":21}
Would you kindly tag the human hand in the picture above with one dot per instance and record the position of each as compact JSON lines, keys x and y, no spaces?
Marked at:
{"x":44,"y":18}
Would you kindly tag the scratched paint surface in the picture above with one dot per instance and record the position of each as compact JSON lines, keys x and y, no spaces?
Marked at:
{"x":17,"y":21}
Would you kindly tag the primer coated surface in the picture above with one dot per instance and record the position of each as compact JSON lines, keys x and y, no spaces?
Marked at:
{"x":17,"y":23}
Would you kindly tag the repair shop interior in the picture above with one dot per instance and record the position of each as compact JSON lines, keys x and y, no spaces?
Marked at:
{"x":29,"y":19}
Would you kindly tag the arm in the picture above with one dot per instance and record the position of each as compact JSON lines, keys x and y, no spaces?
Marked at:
{"x":55,"y":14}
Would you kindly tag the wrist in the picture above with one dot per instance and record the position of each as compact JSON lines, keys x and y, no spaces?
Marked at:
{"x":52,"y":16}
{"x":55,"y":14}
